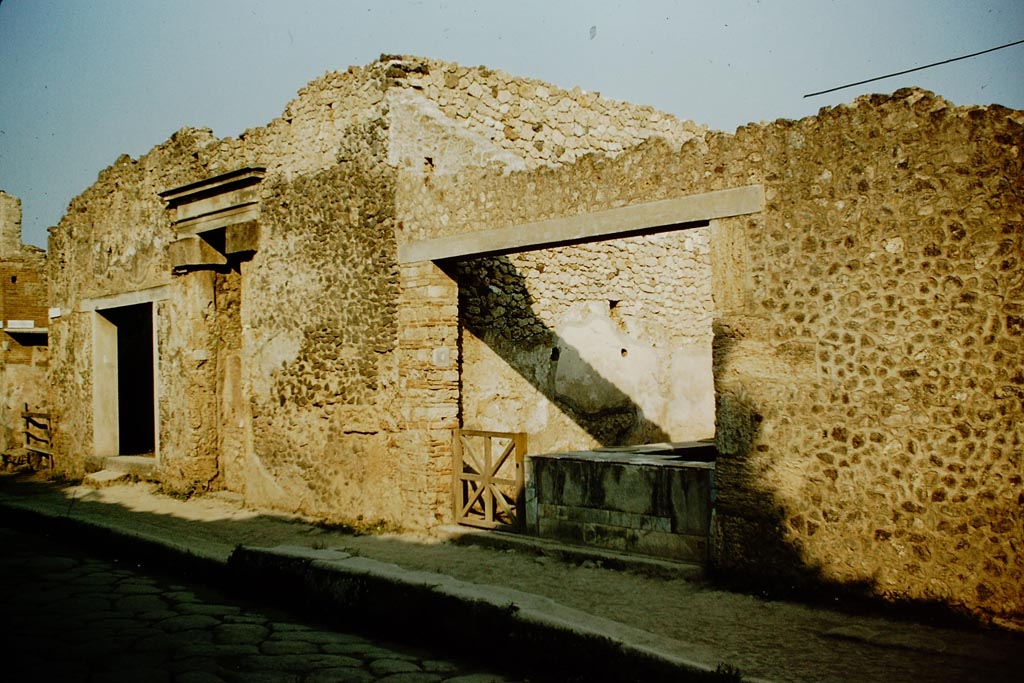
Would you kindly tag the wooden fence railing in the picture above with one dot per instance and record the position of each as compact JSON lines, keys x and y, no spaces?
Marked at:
{"x":38,"y":441}
{"x":37,"y":445}
{"x":487,"y":479}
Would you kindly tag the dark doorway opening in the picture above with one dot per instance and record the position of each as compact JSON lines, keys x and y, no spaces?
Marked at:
{"x":135,"y":402}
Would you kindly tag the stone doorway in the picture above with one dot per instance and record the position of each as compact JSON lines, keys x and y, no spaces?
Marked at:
{"x":125,"y":406}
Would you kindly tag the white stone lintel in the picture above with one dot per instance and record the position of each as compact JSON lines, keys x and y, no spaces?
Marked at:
{"x":663,"y":214}
{"x":139,"y":296}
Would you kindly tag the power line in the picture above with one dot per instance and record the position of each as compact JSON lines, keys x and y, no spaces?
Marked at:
{"x":918,"y":68}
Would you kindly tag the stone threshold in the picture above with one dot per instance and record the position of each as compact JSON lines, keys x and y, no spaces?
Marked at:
{"x":141,"y":466}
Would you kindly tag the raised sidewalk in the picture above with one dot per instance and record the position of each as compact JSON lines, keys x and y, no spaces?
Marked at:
{"x":539,"y":609}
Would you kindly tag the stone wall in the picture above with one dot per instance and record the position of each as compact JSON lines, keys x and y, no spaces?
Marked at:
{"x":113,"y":241}
{"x":866,"y":337}
{"x":869,"y":380}
{"x":450,"y":118}
{"x":319,"y":314}
{"x":288,"y":376}
{"x":233,"y":418}
{"x":347,"y":412}
{"x":10,"y":225}
{"x":23,"y":356}
{"x":864,"y":328}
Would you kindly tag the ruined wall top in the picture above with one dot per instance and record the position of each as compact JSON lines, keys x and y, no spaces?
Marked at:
{"x":10,"y":223}
{"x":423,"y":117}
{"x":11,"y":247}
{"x":539,"y":123}
{"x":487,"y":116}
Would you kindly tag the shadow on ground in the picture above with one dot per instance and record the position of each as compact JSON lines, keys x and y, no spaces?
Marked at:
{"x":761,"y":637}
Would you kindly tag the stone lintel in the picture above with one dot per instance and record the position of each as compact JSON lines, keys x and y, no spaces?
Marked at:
{"x":139,"y":296}
{"x":193,"y":250}
{"x":242,"y":237}
{"x":617,"y":222}
{"x":16,"y":331}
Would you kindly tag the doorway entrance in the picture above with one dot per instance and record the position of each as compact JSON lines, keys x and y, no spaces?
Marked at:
{"x":125,"y":404}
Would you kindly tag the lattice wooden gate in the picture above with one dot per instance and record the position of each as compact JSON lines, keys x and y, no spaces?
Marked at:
{"x":488,"y":488}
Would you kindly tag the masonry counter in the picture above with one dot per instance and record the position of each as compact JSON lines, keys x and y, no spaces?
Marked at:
{"x":653,"y":500}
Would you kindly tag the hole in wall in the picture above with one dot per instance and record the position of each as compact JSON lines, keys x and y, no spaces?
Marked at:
{"x":555,"y":353}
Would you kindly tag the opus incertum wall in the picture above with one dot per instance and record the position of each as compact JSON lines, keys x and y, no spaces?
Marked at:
{"x":863,"y":327}
{"x":866,"y":337}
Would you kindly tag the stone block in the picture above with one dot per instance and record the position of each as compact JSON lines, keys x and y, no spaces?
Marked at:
{"x":690,"y":499}
{"x":652,"y":523}
{"x":629,"y":489}
{"x":609,"y":537}
{"x":676,"y":546}
{"x":242,"y":237}
{"x":105,"y":478}
{"x":193,"y":251}
{"x":560,"y":529}
{"x":585,"y":515}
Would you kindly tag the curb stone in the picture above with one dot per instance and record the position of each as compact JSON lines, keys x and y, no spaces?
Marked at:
{"x":491,"y":624}
{"x":437,"y":610}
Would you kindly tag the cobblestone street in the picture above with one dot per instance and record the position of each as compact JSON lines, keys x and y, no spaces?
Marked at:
{"x":65,"y":616}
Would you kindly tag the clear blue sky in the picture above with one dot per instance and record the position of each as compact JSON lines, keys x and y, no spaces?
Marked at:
{"x":82,"y":82}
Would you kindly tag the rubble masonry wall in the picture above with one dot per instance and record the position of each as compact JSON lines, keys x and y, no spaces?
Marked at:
{"x":867,"y":338}
{"x":868,"y":379}
{"x":866,"y":333}
{"x":299,"y":377}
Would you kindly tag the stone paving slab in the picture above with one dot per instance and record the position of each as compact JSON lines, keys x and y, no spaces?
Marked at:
{"x":91,"y":635}
{"x":533,"y":626}
{"x":561,"y":601}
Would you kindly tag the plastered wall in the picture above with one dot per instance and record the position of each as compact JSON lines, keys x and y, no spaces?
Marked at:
{"x":606,"y":344}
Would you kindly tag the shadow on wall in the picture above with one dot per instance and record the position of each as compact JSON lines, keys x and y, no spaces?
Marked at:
{"x":495,"y":306}
{"x":750,"y":547}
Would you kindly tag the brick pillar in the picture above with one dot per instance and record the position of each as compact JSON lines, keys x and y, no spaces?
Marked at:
{"x":428,"y":382}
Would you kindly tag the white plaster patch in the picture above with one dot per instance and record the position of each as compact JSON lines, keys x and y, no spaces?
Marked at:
{"x":894,"y":245}
{"x":600,"y":367}
{"x":420,"y":130}
{"x":270,"y":355}
{"x":441,"y":357}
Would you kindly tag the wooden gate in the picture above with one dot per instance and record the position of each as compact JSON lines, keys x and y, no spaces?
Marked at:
{"x":487,"y":478}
